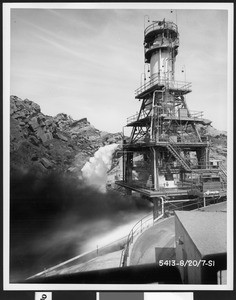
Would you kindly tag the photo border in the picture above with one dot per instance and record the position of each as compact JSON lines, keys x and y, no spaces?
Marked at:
{"x":6,"y":146}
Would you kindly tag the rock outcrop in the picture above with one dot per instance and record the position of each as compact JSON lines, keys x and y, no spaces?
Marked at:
{"x":45,"y":143}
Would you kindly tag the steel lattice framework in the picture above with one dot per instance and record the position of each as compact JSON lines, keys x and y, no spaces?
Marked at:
{"x":167,"y":153}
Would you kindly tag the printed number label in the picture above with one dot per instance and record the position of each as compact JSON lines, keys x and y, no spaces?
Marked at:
{"x":43,"y":295}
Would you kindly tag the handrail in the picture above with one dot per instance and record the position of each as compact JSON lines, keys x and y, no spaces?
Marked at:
{"x":156,"y":79}
{"x":223,"y":169}
{"x":161,"y":25}
{"x":190,"y":183}
{"x":138,"y":228}
{"x":122,"y":257}
{"x":193,"y":114}
{"x":223,"y":173}
{"x":196,"y":114}
{"x":178,"y":150}
{"x":133,"y":232}
{"x":164,"y":138}
{"x":135,"y":117}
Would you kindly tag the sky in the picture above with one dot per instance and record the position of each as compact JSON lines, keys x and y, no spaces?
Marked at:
{"x":88,"y":62}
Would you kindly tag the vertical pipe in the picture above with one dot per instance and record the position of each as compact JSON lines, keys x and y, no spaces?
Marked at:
{"x":152,"y":114}
{"x":162,"y":206}
{"x":204,"y":201}
{"x":159,"y":65}
{"x":123,"y":156}
{"x":155,"y":168}
{"x":152,"y":119}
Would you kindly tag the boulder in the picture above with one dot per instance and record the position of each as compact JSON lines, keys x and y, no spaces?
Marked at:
{"x":19,"y":114}
{"x":46,"y":163}
{"x":13,"y":107}
{"x":32,"y":105}
{"x":33,"y":123}
{"x":75,"y":123}
{"x":48,"y":122}
{"x":33,"y":140}
{"x":61,"y":137}
{"x":44,"y":136}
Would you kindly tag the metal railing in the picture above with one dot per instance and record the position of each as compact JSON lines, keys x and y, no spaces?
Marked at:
{"x":223,"y":174}
{"x":122,"y":257}
{"x":157,"y":25}
{"x":196,"y":114}
{"x":193,"y":114}
{"x":135,"y":117}
{"x":183,"y":139}
{"x":139,"y":227}
{"x":156,"y":79}
{"x":223,"y":169}
{"x":143,"y":224}
{"x":165,"y":190}
{"x":177,"y":153}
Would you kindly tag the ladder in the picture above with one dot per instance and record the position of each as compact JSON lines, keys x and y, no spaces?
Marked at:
{"x":174,"y":151}
{"x":223,"y":173}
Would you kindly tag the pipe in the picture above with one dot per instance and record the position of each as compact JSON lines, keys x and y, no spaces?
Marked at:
{"x":155,"y":168}
{"x":162,"y":210}
{"x":162,"y":206}
{"x":152,"y":125}
{"x":140,"y":274}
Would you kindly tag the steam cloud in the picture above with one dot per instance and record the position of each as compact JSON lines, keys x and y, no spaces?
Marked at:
{"x":95,"y":171}
{"x":52,"y":217}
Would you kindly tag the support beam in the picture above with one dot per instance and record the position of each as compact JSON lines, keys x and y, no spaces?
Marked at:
{"x":158,"y":207}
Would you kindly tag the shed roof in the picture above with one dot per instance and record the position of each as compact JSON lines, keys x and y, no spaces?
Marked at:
{"x":220,"y":207}
{"x":206,"y":229}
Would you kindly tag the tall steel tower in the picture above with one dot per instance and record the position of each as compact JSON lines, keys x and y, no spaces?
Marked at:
{"x":167,"y":156}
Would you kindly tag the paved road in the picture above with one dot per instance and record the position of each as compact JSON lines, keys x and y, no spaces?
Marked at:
{"x":160,"y":235}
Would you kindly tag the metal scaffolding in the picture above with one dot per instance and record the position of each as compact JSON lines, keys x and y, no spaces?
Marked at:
{"x":166,"y":154}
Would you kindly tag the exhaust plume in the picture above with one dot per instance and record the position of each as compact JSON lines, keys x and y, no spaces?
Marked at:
{"x":53,"y":217}
{"x":95,"y":170}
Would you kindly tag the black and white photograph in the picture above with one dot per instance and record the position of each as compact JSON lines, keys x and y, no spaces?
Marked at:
{"x":118,"y":151}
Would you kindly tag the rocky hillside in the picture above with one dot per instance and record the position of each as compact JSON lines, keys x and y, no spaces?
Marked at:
{"x":43,"y":143}
{"x":218,"y":143}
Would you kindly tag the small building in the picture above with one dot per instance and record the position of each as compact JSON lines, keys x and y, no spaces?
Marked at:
{"x":215,"y":163}
{"x":201,"y":246}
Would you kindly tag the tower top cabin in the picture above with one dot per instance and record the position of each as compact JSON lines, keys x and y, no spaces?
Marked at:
{"x":161,"y":42}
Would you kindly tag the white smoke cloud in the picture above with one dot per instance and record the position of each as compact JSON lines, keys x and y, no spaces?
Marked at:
{"x":95,"y":170}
